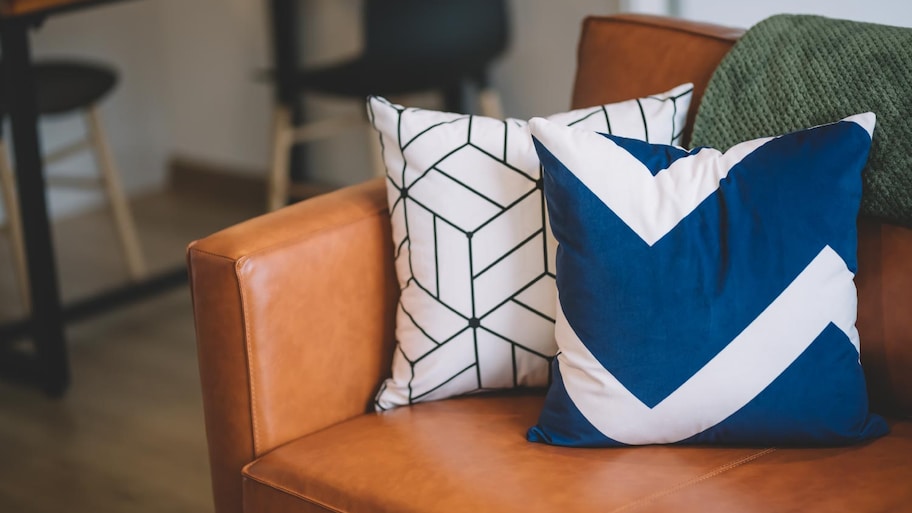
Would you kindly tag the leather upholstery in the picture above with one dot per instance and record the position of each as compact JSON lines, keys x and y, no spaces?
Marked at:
{"x":295,"y":311}
{"x":432,"y":453}
{"x":294,"y":321}
{"x":869,"y":478}
{"x":884,"y":282}
{"x":629,"y":56}
{"x":470,"y":454}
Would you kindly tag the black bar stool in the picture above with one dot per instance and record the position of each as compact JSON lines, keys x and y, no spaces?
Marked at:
{"x":410,"y":46}
{"x":65,"y":87}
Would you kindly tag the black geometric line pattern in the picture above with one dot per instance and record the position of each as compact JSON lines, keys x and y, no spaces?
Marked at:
{"x":474,"y":252}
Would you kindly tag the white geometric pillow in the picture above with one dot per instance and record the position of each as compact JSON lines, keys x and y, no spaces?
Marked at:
{"x":474,"y":254}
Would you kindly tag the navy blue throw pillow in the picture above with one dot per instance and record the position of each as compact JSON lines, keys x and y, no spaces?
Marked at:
{"x":706,"y":297}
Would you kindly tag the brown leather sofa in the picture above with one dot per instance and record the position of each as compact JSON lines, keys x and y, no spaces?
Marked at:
{"x":294,"y":314}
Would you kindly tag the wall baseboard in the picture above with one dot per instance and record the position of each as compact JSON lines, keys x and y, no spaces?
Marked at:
{"x":199,"y":176}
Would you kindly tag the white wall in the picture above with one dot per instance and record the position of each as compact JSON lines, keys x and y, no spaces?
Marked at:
{"x":220,"y":115}
{"x":187,"y":86}
{"x":747,"y":13}
{"x":534,"y":77}
{"x":187,"y":80}
{"x":187,"y":72}
{"x":136,"y":115}
{"x":213,"y":51}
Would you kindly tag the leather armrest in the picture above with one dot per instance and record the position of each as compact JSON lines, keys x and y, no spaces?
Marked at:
{"x":294,"y":316}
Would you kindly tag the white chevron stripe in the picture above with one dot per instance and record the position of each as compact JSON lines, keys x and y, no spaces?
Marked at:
{"x":750,"y":362}
{"x":650,"y":205}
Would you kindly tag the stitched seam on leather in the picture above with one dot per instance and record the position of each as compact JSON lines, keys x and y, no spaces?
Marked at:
{"x":309,"y":235}
{"x":687,"y":484}
{"x":239,"y":263}
{"x":193,"y":249}
{"x":210,"y":253}
{"x":247,"y":343}
{"x":293,"y":493}
{"x":290,"y":242}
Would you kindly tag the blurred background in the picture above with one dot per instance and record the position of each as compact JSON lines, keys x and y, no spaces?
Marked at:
{"x":190,"y":126}
{"x":187,"y":69}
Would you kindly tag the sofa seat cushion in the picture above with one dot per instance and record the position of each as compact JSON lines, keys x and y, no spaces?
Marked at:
{"x":470,"y":454}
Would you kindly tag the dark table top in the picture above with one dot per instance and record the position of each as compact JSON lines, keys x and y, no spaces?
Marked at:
{"x":26,"y":8}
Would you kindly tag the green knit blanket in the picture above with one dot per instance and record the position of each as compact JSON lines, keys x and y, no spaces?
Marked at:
{"x":791,"y":72}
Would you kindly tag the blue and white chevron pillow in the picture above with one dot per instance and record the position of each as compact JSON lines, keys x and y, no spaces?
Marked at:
{"x":706,"y":297}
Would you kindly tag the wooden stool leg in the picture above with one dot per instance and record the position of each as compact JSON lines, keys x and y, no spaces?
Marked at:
{"x":14,"y":223}
{"x":120,"y":208}
{"x":279,"y":174}
{"x":489,"y":103}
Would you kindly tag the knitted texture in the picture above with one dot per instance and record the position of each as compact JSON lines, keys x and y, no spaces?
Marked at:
{"x":791,"y":72}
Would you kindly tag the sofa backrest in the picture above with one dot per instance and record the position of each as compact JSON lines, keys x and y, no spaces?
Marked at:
{"x":628,"y":56}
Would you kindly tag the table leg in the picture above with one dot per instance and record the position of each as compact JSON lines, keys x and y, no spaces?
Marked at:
{"x":47,"y":319}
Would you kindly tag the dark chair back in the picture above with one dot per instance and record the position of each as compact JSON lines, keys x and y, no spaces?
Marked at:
{"x":285,"y":41}
{"x":457,"y":32}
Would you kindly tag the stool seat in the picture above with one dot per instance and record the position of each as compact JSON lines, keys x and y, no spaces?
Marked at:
{"x":66,"y":85}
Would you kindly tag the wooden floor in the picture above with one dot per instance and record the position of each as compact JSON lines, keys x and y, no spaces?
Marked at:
{"x":129,"y":434}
